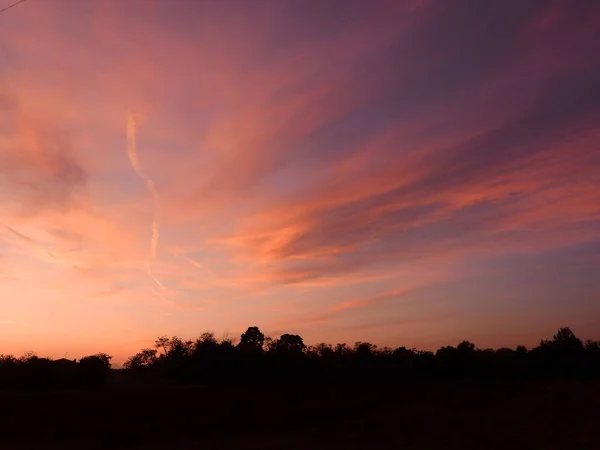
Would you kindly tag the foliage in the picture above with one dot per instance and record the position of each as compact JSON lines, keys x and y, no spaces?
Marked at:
{"x":261,"y":359}
{"x":252,"y":338}
{"x":94,"y":370}
{"x":258,"y":358}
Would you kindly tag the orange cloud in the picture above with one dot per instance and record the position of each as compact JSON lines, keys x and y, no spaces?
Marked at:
{"x":362,"y":303}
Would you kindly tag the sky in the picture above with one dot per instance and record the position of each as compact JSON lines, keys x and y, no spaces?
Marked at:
{"x":401,"y":172}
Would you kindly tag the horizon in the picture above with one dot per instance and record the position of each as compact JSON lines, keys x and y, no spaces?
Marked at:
{"x":235,"y":341}
{"x":409,"y":173}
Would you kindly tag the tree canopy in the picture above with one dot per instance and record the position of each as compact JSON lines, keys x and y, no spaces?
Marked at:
{"x":261,"y":359}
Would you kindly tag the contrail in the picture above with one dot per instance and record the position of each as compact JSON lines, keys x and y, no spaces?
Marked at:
{"x":193,"y":262}
{"x":156,"y":280}
{"x":29,"y":240}
{"x":11,"y":322}
{"x":11,"y":6}
{"x":35,"y":244}
{"x":135,"y":163}
{"x":16,"y":233}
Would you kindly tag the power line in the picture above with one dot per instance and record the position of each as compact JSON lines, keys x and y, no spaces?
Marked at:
{"x":10,"y":6}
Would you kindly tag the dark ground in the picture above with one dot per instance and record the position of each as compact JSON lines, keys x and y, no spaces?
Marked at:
{"x":421,"y":415}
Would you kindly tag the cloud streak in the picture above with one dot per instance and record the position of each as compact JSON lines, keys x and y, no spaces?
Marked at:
{"x":135,"y":163}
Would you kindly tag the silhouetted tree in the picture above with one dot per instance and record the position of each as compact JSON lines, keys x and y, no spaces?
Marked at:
{"x":565,"y":340}
{"x":142,"y":360}
{"x":466,"y":348}
{"x":38,"y":371}
{"x":173,"y":348}
{"x":207,"y":339}
{"x":94,"y":370}
{"x":364,"y":350}
{"x":162,"y":343}
{"x":592,"y":350}
{"x":405,"y":361}
{"x":342,"y":350}
{"x":560,"y":357}
{"x":321,"y":351}
{"x":252,"y":338}
{"x":173,"y":362}
{"x":290,"y":344}
{"x":288,"y":359}
{"x":447,"y":359}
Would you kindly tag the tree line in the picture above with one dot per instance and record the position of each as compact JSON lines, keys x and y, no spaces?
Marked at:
{"x":259,"y":359}
{"x":33,"y":372}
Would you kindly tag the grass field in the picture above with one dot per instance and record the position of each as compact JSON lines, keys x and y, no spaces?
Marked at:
{"x":410,"y":416}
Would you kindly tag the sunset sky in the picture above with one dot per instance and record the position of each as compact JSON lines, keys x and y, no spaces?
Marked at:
{"x":403,"y":172}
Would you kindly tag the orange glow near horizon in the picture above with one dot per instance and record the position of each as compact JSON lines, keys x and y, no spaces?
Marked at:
{"x":403,"y":173}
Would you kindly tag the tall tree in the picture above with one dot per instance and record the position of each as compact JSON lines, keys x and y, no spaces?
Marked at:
{"x":253,"y":337}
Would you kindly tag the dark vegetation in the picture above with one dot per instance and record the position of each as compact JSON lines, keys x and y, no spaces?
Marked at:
{"x":33,"y":372}
{"x":258,"y":359}
{"x":280,"y":394}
